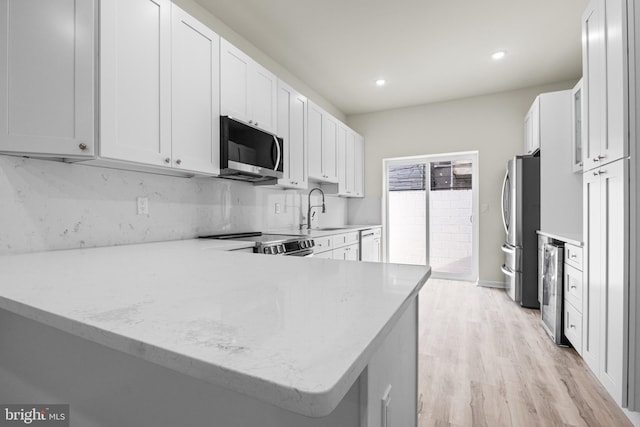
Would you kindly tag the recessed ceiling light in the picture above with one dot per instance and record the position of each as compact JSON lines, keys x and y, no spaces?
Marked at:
{"x":498,"y":55}
{"x":381,"y":82}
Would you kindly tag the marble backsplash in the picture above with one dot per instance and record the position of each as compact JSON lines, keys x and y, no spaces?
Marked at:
{"x":47,"y":205}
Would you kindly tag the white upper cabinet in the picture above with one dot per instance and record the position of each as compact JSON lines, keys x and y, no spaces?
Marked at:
{"x":47,"y":78}
{"x":135,"y":81}
{"x":359,"y":168}
{"x":292,"y":118}
{"x":323,"y":144}
{"x":604,"y":91}
{"x":314,"y":140}
{"x":346,"y":162}
{"x":195,"y":106}
{"x":248,"y":91}
{"x":341,"y":146}
{"x":532,"y":128}
{"x":577,"y":124}
{"x":329,"y":148}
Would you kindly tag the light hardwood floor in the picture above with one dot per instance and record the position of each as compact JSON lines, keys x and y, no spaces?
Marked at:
{"x":485,"y":361}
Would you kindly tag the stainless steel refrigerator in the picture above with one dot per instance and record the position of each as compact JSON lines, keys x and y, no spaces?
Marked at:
{"x":521,"y":219}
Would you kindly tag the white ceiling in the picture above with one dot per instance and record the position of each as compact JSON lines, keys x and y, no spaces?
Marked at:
{"x":427,"y":50}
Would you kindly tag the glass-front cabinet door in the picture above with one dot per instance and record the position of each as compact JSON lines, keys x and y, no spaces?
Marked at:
{"x":576,"y":137}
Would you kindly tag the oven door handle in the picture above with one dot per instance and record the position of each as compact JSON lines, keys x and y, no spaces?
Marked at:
{"x":275,"y":141}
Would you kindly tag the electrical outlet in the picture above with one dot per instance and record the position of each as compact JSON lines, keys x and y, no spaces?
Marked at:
{"x":143,"y":205}
{"x":277,"y":208}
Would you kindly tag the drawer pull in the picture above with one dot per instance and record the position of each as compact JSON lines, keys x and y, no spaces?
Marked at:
{"x":572,"y":326}
{"x":573,"y":256}
{"x":573,"y":287}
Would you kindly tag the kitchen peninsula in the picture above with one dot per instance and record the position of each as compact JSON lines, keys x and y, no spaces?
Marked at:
{"x":183,"y":333}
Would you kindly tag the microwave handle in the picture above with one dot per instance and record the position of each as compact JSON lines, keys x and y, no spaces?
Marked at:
{"x":275,"y":141}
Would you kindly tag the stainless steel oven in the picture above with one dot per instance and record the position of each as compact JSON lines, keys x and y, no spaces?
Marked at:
{"x":272,"y":244}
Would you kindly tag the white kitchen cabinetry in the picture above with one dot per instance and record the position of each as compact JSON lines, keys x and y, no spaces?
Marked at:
{"x":292,"y":120}
{"x":359,"y":168}
{"x":560,"y":188}
{"x":323,"y":141}
{"x":159,"y":87}
{"x":605,"y":277}
{"x":532,"y":128}
{"x":573,"y":291}
{"x":343,"y":246}
{"x":248,"y":91}
{"x":135,"y":81}
{"x":195,"y":119}
{"x":577,"y":126}
{"x":47,"y":78}
{"x":604,"y":48}
{"x":347,"y":161}
{"x":351,"y":163}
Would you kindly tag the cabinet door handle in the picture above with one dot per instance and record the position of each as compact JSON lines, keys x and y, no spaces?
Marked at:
{"x":167,"y":160}
{"x":598,"y":158}
{"x":178,"y":162}
{"x":82,"y":146}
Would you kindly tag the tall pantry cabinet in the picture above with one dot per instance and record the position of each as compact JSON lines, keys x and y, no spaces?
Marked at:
{"x":606,"y":195}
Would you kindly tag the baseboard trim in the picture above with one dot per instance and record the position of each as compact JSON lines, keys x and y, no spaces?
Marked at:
{"x":634,"y":417}
{"x":491,"y":284}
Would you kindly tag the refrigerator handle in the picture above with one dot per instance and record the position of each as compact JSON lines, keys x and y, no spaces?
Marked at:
{"x":504,"y":185}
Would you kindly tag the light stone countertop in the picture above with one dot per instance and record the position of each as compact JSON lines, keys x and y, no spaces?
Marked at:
{"x":320,"y":232}
{"x":293,"y":332}
{"x":572,"y":238}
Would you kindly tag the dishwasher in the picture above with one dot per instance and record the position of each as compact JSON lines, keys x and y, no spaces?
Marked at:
{"x":370,"y":245}
{"x":551,"y":275}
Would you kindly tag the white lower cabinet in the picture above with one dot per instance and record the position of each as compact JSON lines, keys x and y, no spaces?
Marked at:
{"x":347,"y":253}
{"x":47,"y":78}
{"x":605,"y":278}
{"x":343,"y":246}
{"x":324,"y":255}
{"x":573,"y":291}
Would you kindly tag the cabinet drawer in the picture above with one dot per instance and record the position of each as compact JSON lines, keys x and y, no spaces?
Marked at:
{"x":322,"y":244}
{"x":573,"y":286}
{"x":323,"y":255}
{"x":573,"y":326}
{"x":345,"y":239}
{"x":573,"y":256}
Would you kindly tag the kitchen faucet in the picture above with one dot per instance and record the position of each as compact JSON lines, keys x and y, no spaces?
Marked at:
{"x":315,"y":206}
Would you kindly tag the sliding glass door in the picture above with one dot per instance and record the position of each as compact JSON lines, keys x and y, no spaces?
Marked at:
{"x":430,"y":206}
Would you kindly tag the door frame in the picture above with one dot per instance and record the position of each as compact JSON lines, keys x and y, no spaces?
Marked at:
{"x":474,"y":156}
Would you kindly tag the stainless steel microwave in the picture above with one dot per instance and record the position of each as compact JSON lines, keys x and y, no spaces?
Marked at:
{"x":248,"y":153}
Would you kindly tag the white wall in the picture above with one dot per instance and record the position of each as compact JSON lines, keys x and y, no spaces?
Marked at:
{"x":46,"y":205}
{"x":451,"y":230}
{"x":491,"y":124}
